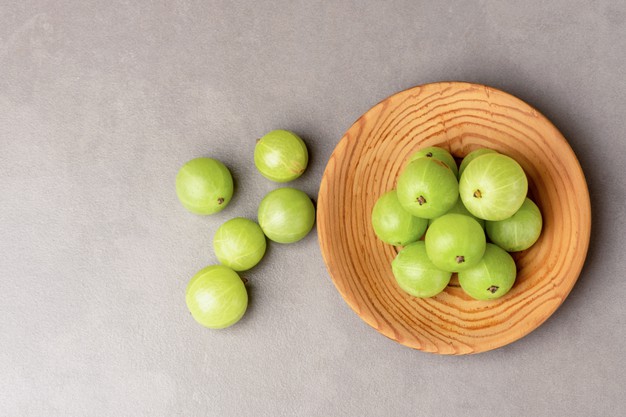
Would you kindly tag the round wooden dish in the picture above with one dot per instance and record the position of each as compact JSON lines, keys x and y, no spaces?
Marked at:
{"x":460,"y":117}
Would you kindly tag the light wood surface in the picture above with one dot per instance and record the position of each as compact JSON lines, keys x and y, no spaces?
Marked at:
{"x":459,"y":117}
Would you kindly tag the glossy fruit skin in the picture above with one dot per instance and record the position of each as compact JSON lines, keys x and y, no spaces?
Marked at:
{"x":216,"y":297}
{"x":455,"y":242}
{"x":286,"y":215}
{"x":393,"y":224}
{"x":416,"y":274}
{"x":437,"y":153}
{"x":239,"y":244}
{"x":459,"y":208}
{"x":427,"y":188}
{"x":204,"y":186}
{"x":281,"y":156}
{"x":471,"y":156}
{"x":518,"y":232}
{"x":493,"y":187}
{"x":492,"y":277}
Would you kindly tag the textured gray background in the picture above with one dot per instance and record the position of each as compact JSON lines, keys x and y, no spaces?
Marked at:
{"x":101,"y":103}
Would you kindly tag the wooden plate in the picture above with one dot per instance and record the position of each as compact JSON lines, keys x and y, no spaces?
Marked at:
{"x":459,"y":117}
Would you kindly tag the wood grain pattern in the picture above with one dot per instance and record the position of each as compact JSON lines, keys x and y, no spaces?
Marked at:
{"x":460,"y":117}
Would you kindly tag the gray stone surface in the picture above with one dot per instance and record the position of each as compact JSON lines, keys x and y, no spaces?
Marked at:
{"x":101,"y":103}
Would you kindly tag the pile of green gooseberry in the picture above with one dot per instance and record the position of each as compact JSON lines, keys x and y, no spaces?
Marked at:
{"x":470,"y":218}
{"x":216,"y":296}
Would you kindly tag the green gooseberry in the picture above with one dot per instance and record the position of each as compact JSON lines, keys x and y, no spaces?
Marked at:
{"x":427,"y":188}
{"x":416,"y":274}
{"x":493,"y":186}
{"x":286,"y":215}
{"x":393,"y":224}
{"x":455,"y":242}
{"x":492,"y":277}
{"x":216,"y":297}
{"x":518,"y":232}
{"x":281,"y":156}
{"x":437,"y":153}
{"x":204,"y":186}
{"x":239,"y":244}
{"x":471,"y":156}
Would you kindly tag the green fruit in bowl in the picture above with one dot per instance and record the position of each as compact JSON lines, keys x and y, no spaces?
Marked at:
{"x":204,"y":186}
{"x":286,"y":215}
{"x":493,"y":187}
{"x":471,"y":156}
{"x":459,"y":208}
{"x":216,"y":297}
{"x":239,"y":244}
{"x":492,"y":277}
{"x":393,"y":224}
{"x":439,"y":154}
{"x":518,"y":232}
{"x":281,"y":156}
{"x":416,"y":274}
{"x":455,"y":242}
{"x":427,"y":188}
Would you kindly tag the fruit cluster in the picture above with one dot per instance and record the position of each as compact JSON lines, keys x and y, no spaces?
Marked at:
{"x":216,"y":296}
{"x":452,"y":208}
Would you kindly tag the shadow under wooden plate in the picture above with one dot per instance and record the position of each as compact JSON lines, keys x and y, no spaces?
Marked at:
{"x":459,"y":117}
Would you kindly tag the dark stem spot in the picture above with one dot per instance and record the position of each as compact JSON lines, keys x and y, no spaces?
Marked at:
{"x":220,"y":200}
{"x":429,"y":155}
{"x":244,"y":280}
{"x":258,"y":140}
{"x":460,"y":259}
{"x":493,"y":289}
{"x":477,"y":194}
{"x":421,"y":200}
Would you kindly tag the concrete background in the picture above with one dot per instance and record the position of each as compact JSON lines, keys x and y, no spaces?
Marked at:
{"x":102,"y":102}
